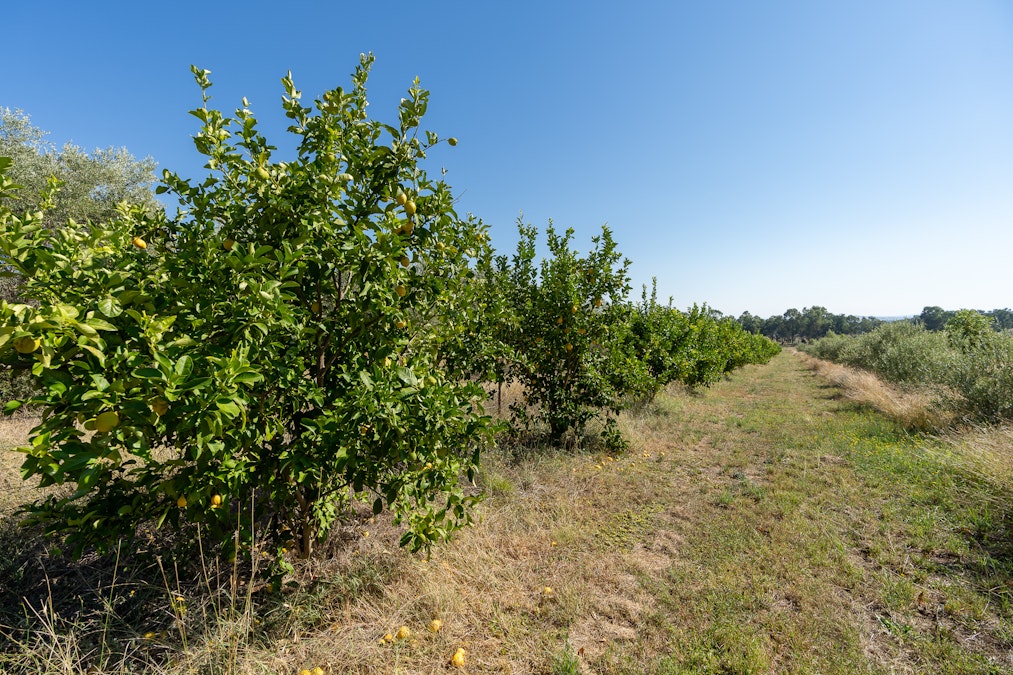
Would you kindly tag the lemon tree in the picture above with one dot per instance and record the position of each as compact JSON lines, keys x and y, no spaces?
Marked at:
{"x":567,"y":330}
{"x":275,"y":350}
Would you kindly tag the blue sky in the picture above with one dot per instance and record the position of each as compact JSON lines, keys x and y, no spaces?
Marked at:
{"x":751,"y":155}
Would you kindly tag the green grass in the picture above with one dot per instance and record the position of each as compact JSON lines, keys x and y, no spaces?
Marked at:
{"x":766,"y":524}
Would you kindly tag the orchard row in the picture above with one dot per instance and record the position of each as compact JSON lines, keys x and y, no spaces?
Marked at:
{"x":305,"y":333}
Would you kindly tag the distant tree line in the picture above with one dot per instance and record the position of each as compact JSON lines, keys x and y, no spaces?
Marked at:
{"x":813,"y":323}
{"x":936,"y":318}
{"x":809,"y":324}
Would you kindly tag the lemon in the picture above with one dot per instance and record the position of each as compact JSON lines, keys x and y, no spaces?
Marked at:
{"x":228,"y":244}
{"x":216,"y":501}
{"x":409,"y":208}
{"x":451,"y":141}
{"x":401,"y":291}
{"x":458,"y":659}
{"x":405,"y":261}
{"x":401,"y":198}
{"x":388,"y":638}
{"x":140,"y":243}
{"x":107,"y":421}
{"x":317,"y":671}
{"x":181,"y":502}
{"x":160,"y":406}
{"x":401,"y":324}
{"x":435,"y":625}
{"x":263,"y":173}
{"x":403,"y":633}
{"x":315,"y":307}
{"x":26,"y":344}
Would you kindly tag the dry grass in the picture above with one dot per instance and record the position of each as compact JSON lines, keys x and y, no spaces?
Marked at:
{"x":913,"y":410}
{"x":759,"y":526}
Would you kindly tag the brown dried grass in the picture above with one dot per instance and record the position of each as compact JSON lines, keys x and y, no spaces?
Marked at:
{"x":915,"y":410}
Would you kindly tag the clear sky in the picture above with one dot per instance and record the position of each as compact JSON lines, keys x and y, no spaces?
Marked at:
{"x":751,"y":155}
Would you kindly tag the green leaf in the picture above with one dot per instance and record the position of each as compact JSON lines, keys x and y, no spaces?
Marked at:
{"x":228,"y":406}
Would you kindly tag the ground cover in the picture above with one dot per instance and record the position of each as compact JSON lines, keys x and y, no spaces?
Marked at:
{"x":769,"y":523}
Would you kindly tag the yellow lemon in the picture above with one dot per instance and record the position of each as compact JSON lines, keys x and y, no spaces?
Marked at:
{"x":181,"y":502}
{"x":216,"y":501}
{"x":401,"y":324}
{"x":403,"y":633}
{"x":263,"y":173}
{"x":451,"y":141}
{"x":388,"y":638}
{"x":435,"y":625}
{"x":458,"y":658}
{"x":409,"y":208}
{"x":401,"y":198}
{"x":107,"y":421}
{"x":597,"y":302}
{"x":140,"y":243}
{"x":26,"y":344}
{"x":401,"y":291}
{"x":317,"y":671}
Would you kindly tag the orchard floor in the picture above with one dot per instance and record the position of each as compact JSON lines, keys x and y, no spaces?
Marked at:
{"x":767,"y":524}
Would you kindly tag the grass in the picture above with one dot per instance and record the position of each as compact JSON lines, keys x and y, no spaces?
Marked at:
{"x":772,"y":523}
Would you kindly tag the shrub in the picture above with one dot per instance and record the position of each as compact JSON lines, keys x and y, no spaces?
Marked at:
{"x":270,"y":353}
{"x":567,"y":331}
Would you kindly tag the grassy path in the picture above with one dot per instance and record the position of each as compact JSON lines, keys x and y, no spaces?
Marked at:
{"x":763,"y":525}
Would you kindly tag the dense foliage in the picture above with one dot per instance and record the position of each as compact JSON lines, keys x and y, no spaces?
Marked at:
{"x":271,"y":351}
{"x":968,"y":364}
{"x":310,"y":332}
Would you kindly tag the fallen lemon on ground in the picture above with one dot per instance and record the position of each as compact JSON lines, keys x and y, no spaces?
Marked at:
{"x":458,"y":658}
{"x":403,"y":633}
{"x":435,"y":625}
